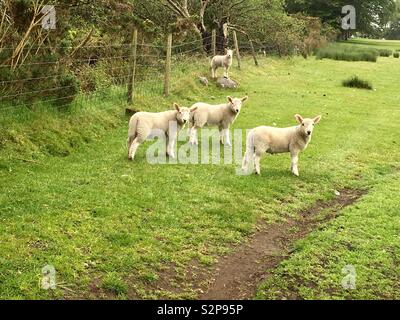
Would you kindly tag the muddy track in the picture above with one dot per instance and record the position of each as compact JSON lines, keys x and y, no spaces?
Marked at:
{"x":238,"y":275}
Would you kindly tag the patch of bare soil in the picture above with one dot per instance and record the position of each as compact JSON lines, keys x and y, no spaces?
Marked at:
{"x":238,"y":275}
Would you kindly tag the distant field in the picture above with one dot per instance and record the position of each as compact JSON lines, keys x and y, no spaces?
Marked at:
{"x":119,"y":229}
{"x":383,"y":44}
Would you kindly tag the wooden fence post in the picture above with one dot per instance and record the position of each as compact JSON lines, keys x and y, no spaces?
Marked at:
{"x":236,"y":48}
{"x":214,"y":42}
{"x":132,"y":69}
{"x":168,"y":65}
{"x":253,"y":53}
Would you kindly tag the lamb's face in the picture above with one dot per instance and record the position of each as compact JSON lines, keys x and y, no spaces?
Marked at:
{"x":183,"y":115}
{"x":307,"y":125}
{"x":236,"y":104}
{"x":229,"y":54}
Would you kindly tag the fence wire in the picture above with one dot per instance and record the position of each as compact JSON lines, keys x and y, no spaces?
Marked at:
{"x":99,"y":74}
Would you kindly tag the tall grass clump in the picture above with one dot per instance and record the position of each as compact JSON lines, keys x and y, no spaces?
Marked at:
{"x":356,"y":82}
{"x":396,"y":55}
{"x":385,"y":52}
{"x":347,"y":53}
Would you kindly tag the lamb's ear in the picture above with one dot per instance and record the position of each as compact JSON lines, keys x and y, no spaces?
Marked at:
{"x":299,"y":118}
{"x":244,"y":98}
{"x":230,"y":99}
{"x":177,"y":107}
{"x":193,"y":109}
{"x":317,"y":119}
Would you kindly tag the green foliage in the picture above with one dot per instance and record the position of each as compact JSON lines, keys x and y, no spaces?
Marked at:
{"x":385,"y":52}
{"x":68,"y":89}
{"x":114,"y":284}
{"x":393,"y":31}
{"x":356,"y":82}
{"x":372,"y":15}
{"x":347,"y":53}
{"x":47,"y":132}
{"x":396,"y":55}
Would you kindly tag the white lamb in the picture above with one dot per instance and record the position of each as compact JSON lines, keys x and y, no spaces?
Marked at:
{"x":222,"y":61}
{"x":142,"y":124}
{"x":272,"y":140}
{"x":222,"y":115}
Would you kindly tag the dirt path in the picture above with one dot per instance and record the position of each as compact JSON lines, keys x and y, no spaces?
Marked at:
{"x":238,"y":275}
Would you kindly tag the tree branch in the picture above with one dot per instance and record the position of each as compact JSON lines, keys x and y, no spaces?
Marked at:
{"x":178,"y":10}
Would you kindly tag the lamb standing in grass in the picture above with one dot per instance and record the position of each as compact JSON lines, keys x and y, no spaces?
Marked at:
{"x":142,"y":124}
{"x":222,"y":115}
{"x":222,"y":61}
{"x":272,"y":140}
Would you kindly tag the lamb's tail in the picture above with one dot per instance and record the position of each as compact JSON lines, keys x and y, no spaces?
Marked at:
{"x":250,"y":151}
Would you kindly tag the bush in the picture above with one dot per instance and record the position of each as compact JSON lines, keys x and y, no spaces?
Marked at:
{"x":347,"y":53}
{"x":396,"y":55}
{"x":356,"y":82}
{"x":69,"y":87}
{"x":385,"y":52}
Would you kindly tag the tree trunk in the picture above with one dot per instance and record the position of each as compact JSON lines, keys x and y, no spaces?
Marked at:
{"x":222,"y":36}
{"x":206,"y":38}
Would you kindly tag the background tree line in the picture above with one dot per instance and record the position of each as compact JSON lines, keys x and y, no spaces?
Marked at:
{"x":90,"y":32}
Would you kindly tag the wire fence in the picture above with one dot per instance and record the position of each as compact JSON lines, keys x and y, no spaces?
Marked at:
{"x":96,"y":75}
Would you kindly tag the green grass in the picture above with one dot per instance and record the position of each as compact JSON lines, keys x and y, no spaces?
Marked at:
{"x":356,"y":82}
{"x":364,"y":236}
{"x":110,"y":227}
{"x":346,"y":52}
{"x":377,"y":44}
{"x":385,"y":52}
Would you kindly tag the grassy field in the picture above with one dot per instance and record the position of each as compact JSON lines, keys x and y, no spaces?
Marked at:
{"x":110,"y":227}
{"x":378,"y":44}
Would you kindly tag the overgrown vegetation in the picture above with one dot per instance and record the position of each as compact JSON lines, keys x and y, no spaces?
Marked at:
{"x":90,"y":52}
{"x":385,"y":52}
{"x":356,"y":82}
{"x":373,"y":16}
{"x":347,"y":53}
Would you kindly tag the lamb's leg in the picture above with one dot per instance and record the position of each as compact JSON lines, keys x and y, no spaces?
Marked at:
{"x":170,"y":148}
{"x":213,"y":72}
{"x":167,"y":146}
{"x":193,"y":136}
{"x":227,"y":138}
{"x":132,"y":150}
{"x":221,"y":135}
{"x":246,"y":160}
{"x":129,"y":143}
{"x":295,"y":161}
{"x":257,"y":163}
{"x":226,"y":72}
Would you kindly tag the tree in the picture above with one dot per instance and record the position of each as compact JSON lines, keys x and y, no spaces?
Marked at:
{"x":393,"y":31}
{"x":372,"y":15}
